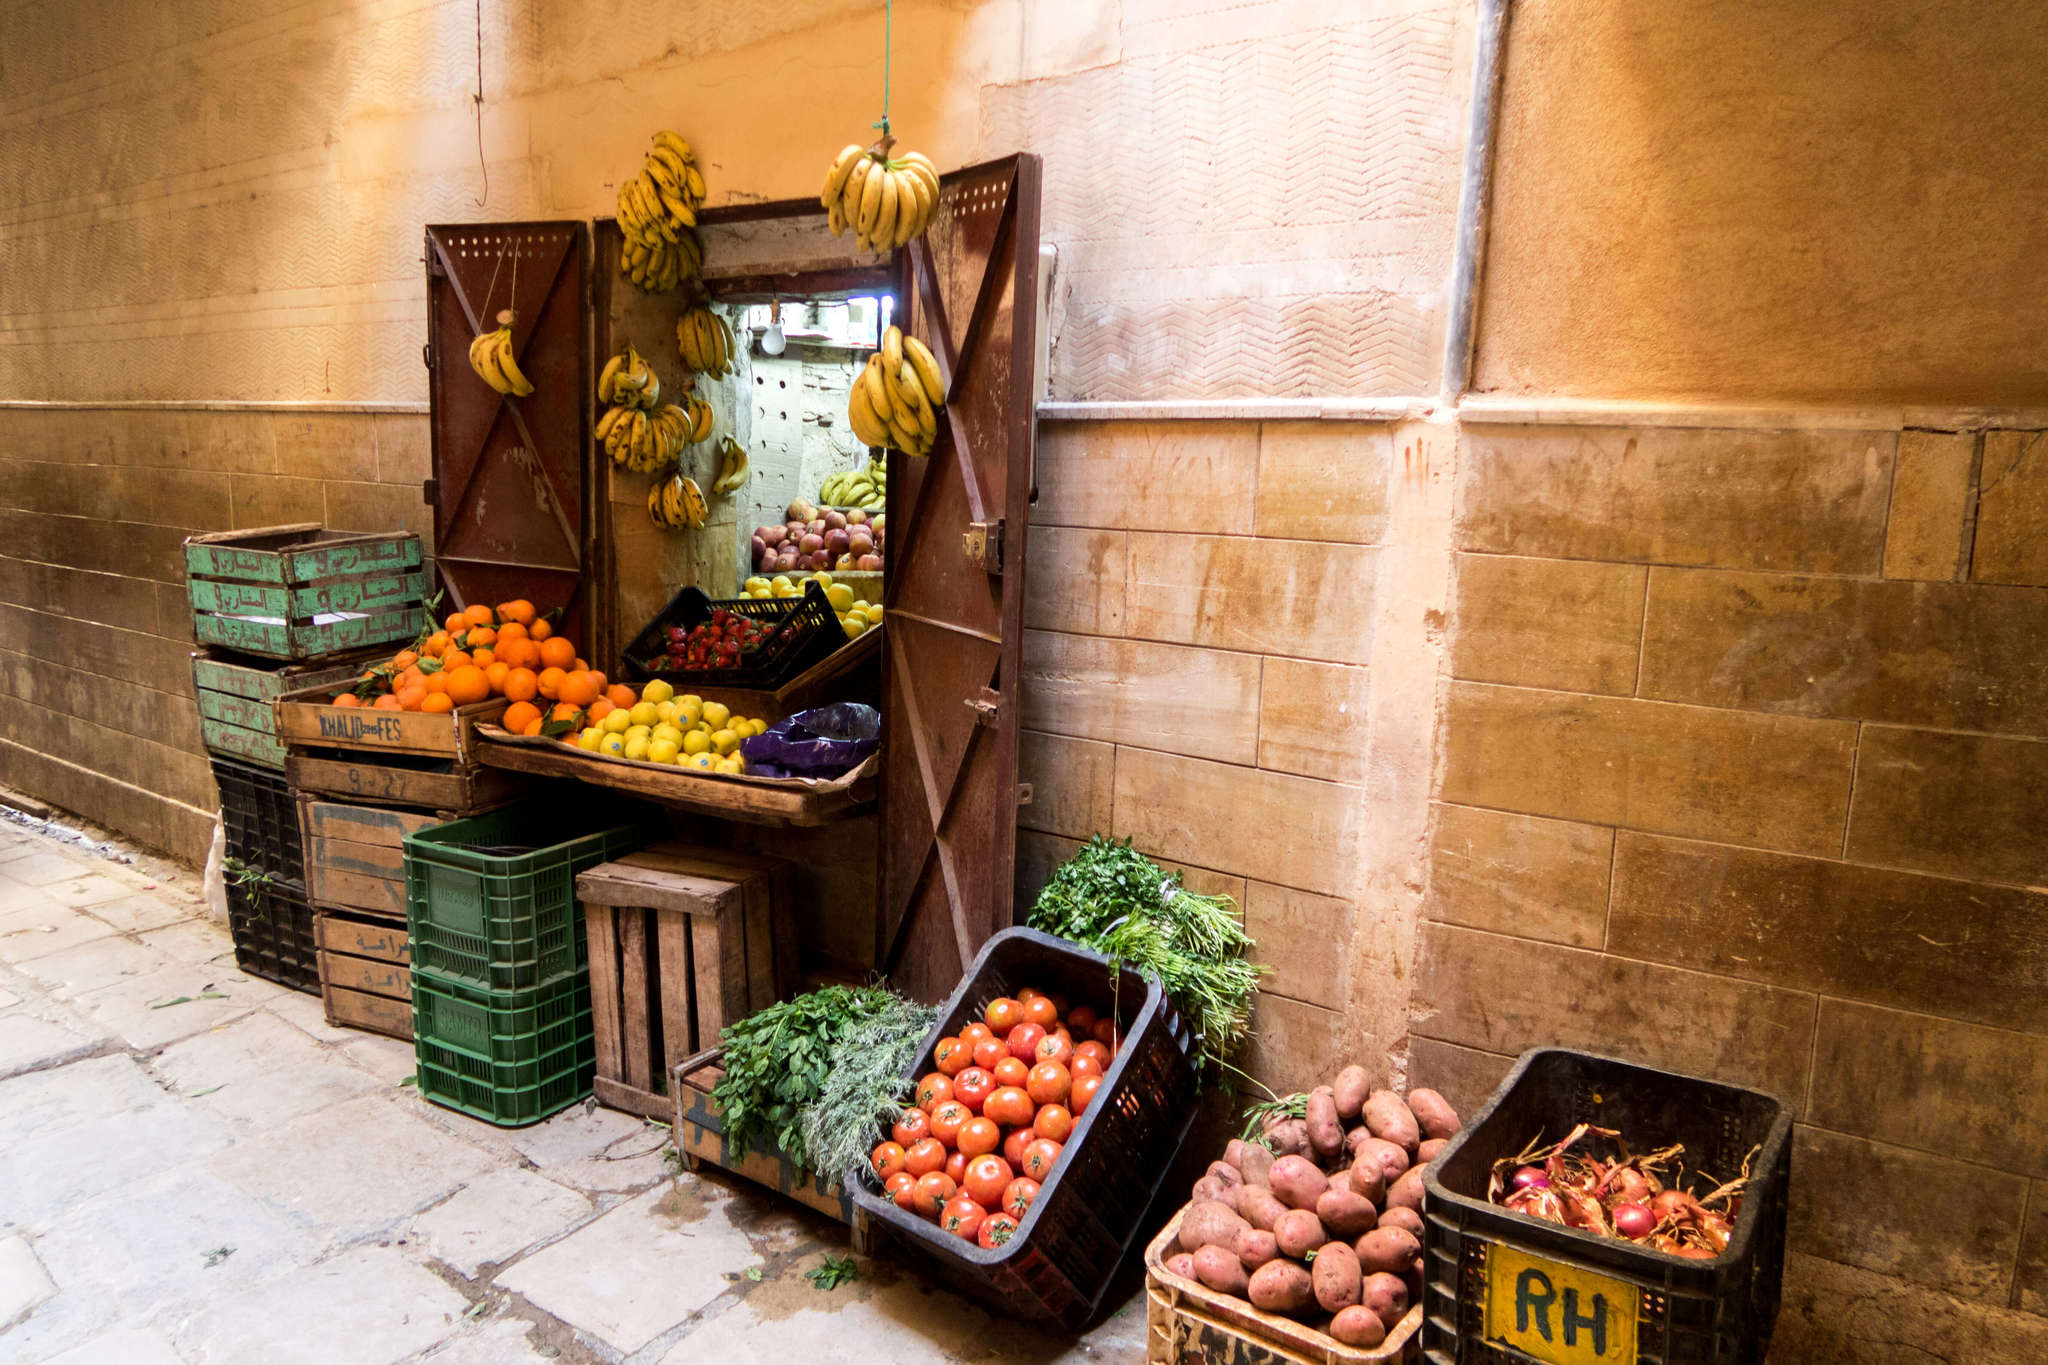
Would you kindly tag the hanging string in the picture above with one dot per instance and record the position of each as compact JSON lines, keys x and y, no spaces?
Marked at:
{"x":888,"y":31}
{"x":484,"y":313}
{"x":484,"y":166}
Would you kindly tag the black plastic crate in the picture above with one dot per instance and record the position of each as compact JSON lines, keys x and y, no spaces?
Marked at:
{"x":814,"y":633}
{"x":1087,"y":1217}
{"x":271,"y":924}
{"x":260,"y":818}
{"x":1493,"y":1276}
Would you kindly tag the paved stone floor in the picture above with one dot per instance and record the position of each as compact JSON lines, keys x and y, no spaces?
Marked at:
{"x":196,"y":1170}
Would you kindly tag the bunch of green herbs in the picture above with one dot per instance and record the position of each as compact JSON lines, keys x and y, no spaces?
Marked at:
{"x":871,"y":1079}
{"x":1115,"y":900}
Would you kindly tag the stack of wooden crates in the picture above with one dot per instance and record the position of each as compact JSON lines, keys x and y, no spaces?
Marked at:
{"x":277,"y":609}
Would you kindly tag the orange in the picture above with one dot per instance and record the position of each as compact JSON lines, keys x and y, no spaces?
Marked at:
{"x":521,"y":685}
{"x":407,"y":677}
{"x":510,"y":630}
{"x":403,"y":660}
{"x":599,"y":709}
{"x":539,"y":628}
{"x":387,"y":702}
{"x":409,"y":698}
{"x":482,"y":658}
{"x":468,"y":684}
{"x":480,"y":615}
{"x":551,"y":682}
{"x":496,"y":674}
{"x":437,"y":644}
{"x":564,"y":711}
{"x":482,"y":635}
{"x":595,"y":676}
{"x":555,"y":652}
{"x":520,"y":653}
{"x":455,"y":658}
{"x":618,"y":694}
{"x":532,"y":727}
{"x":437,"y":683}
{"x":518,"y":610}
{"x":579,"y":665}
{"x":456,"y":623}
{"x":437,"y":703}
{"x":348,"y":699}
{"x":519,"y":714}
{"x":577,"y":689}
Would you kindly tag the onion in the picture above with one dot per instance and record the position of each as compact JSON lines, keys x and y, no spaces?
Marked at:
{"x":1673,"y":1204}
{"x":1633,"y":1221}
{"x":1531,"y":1178}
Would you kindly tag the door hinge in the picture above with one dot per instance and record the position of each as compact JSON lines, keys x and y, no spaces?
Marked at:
{"x":986,"y":707}
{"x":983,"y":542}
{"x":430,"y":492}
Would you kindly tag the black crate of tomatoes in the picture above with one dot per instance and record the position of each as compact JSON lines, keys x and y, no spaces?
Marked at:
{"x":1600,"y":1210}
{"x":745,"y":642}
{"x":1050,"y":1100}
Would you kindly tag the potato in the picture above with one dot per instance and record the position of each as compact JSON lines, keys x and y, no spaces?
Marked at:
{"x":1233,"y":1152}
{"x":1182,"y":1263}
{"x":1358,"y":1326}
{"x":1430,"y":1150}
{"x":1354,"y":1139}
{"x":1367,"y":1179}
{"x":1281,"y":1287}
{"x":1346,"y":1214}
{"x":1209,"y":1224}
{"x":1392,"y":1250}
{"x":1256,"y":1163}
{"x":1298,"y":1182}
{"x":1387,"y":1296}
{"x":1433,"y":1113}
{"x":1406,"y":1193}
{"x":1225,"y":1173}
{"x":1219,"y":1268}
{"x":1337,"y":1279}
{"x":1325,"y":1134}
{"x":1207,"y":1191}
{"x":1260,"y":1206}
{"x":1350,"y":1087}
{"x":1402,"y":1218}
{"x":1288,"y":1136}
{"x":1255,"y":1247}
{"x":1299,"y":1232}
{"x":1392,"y":1158}
{"x":1388,"y":1115}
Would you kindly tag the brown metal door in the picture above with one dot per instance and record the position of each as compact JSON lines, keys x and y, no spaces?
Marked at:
{"x":955,"y":596}
{"x":509,"y":488}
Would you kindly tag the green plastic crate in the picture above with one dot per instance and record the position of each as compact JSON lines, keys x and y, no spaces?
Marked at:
{"x":491,"y":899}
{"x":506,"y":1057}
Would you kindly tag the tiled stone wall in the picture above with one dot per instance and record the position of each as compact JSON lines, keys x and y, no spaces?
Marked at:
{"x":1745,"y":772}
{"x":95,"y":630}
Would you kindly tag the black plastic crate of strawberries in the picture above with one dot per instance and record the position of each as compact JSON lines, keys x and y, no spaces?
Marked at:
{"x":1093,"y":1189}
{"x":741,"y":642}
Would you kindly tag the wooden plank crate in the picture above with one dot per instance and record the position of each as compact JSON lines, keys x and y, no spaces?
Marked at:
{"x":303,"y":592}
{"x":236,"y":717}
{"x":395,"y":758}
{"x":683,"y":941}
{"x":365,"y":971}
{"x":355,"y":855}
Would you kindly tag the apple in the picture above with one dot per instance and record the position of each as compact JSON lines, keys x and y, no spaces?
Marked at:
{"x":810,"y":543}
{"x":868,"y":563}
{"x":859,"y":542}
{"x":856,"y":517}
{"x":772,"y":535}
{"x":835,"y":521}
{"x":837,"y":542}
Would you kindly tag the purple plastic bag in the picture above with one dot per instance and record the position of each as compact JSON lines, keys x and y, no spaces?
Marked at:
{"x":822,"y":743}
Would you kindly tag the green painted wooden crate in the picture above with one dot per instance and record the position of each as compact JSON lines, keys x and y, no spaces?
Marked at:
{"x":302,"y":592}
{"x":236,"y":716}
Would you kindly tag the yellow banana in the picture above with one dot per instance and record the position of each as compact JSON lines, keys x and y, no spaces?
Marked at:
{"x":927,"y":367}
{"x":611,"y":372}
{"x":885,"y":220}
{"x":860,"y":415}
{"x":836,"y":175}
{"x":927,"y":420}
{"x":910,"y":206}
{"x":892,"y":350}
{"x":695,"y":189}
{"x":673,"y":142}
{"x":508,"y":364}
{"x":701,"y":427}
{"x":871,"y":200}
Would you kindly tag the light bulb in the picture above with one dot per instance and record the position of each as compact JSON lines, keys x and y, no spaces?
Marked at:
{"x":772,"y":340}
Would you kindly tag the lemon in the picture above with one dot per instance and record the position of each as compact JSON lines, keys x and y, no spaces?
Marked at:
{"x":634,"y":732}
{"x":663,"y":751}
{"x":657,"y":692}
{"x":590,"y":739}
{"x":780,"y":580}
{"x":612,"y":744}
{"x":616,"y":722}
{"x":673,"y":734}
{"x":822,"y":579}
{"x":646,"y":713}
{"x":756,"y":582}
{"x":731,"y":765}
{"x":724,"y":742}
{"x":702,"y":762}
{"x":854,"y":629}
{"x":665,"y":709}
{"x":737,"y":723}
{"x":636,"y":747}
{"x":716,"y":713}
{"x":782,"y":591}
{"x":874,"y":613}
{"x":688,"y":712}
{"x":840,"y":596}
{"x":762,"y":594}
{"x":696,"y":742}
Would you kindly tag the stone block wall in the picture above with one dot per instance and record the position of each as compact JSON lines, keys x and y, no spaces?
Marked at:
{"x":1745,"y":772}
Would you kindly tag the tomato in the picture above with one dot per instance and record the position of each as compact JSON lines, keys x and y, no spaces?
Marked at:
{"x":987,"y":1177}
{"x":989,"y":1051}
{"x":1002,"y":1015}
{"x":975,"y":1032}
{"x":962,"y":1217}
{"x":925,"y":1156}
{"x":1105,"y":1032}
{"x":1010,"y":1071}
{"x":1029,"y":994}
{"x":1048,"y":1084}
{"x":1039,"y":1159}
{"x":888,"y":1159}
{"x":951,"y":1056}
{"x":956,"y":1167}
{"x":904,"y":1190}
{"x":1054,"y":1048}
{"x":1039,"y":1010}
{"x":1083,"y":1092}
{"x":1060,"y":1031}
{"x":1055,"y":1122}
{"x":1011,"y":1107}
{"x":1017,"y":1196}
{"x":979,"y":1136}
{"x":1095,"y":1052}
{"x":1084,"y":1064}
{"x":946,"y":1121}
{"x":932,"y":1192}
{"x":1023,"y":1041}
{"x":933,"y":1091}
{"x":914,"y":1124}
{"x":1082,"y":1020}
{"x":972,"y":1088}
{"x":996,"y":1230}
{"x":1014,"y":1145}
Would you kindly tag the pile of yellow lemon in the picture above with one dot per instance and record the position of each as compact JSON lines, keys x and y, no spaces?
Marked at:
{"x":856,"y":617}
{"x":664,"y":728}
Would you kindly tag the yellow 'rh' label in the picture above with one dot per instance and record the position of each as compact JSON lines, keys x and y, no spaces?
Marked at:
{"x":1556,"y":1312}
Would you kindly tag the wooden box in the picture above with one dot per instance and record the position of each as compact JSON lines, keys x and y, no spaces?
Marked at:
{"x":302,"y":592}
{"x":396,"y":758}
{"x":236,"y":716}
{"x":683,"y":941}
{"x":355,"y":855}
{"x":365,"y":972}
{"x":307,"y":719}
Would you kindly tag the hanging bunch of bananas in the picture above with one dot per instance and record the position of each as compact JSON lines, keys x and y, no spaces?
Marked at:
{"x":733,"y":467}
{"x":628,"y":381}
{"x":866,"y":488}
{"x":706,"y":342}
{"x":657,"y":210}
{"x":648,"y":442}
{"x":676,"y":503}
{"x":885,"y":201}
{"x":490,"y":355}
{"x":896,"y":401}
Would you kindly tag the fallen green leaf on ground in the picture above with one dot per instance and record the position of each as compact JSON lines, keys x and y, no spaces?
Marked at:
{"x":835,"y":1271}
